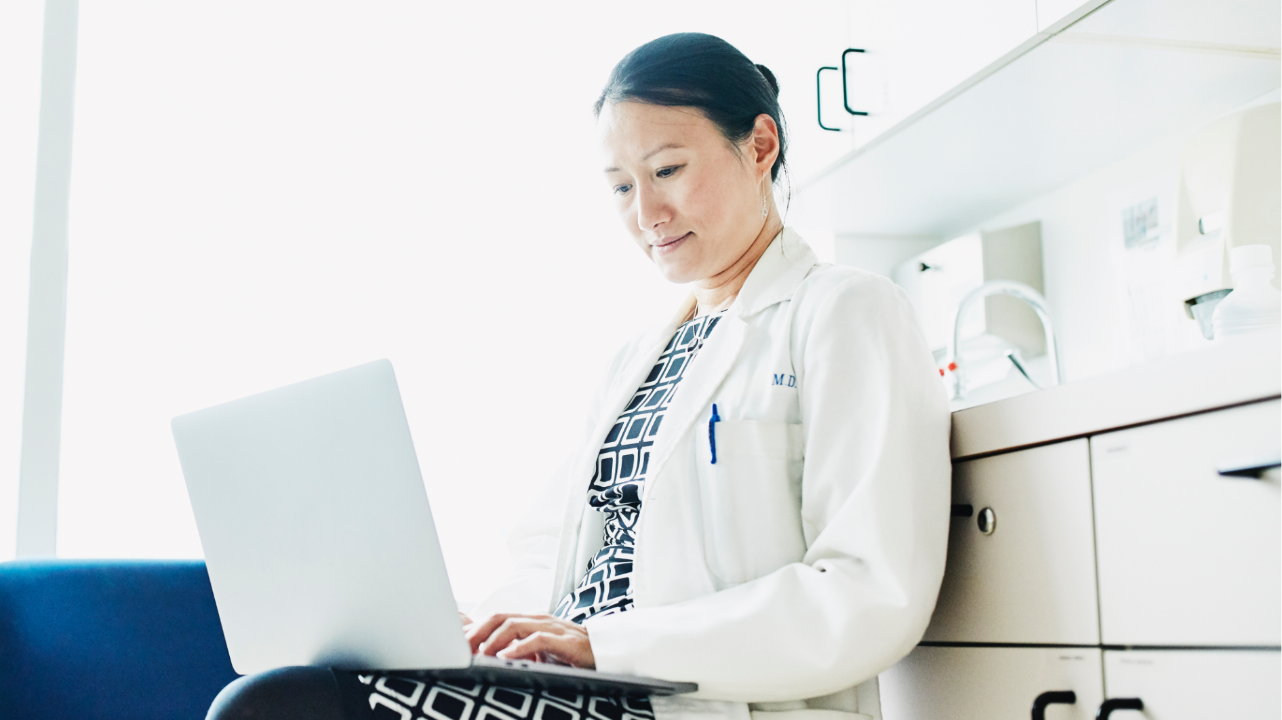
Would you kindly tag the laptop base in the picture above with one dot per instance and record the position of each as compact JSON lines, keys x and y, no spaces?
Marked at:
{"x":527,"y":675}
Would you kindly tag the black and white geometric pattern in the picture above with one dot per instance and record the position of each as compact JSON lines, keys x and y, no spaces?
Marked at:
{"x":619,"y":481}
{"x":400,"y":698}
{"x":616,"y":490}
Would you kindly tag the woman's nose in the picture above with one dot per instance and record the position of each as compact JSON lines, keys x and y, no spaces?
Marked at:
{"x":652,"y":209}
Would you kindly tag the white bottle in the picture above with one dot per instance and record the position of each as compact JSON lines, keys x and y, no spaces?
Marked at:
{"x":1253,"y":306}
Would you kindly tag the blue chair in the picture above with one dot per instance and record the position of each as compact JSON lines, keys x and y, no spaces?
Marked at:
{"x":109,"y":640}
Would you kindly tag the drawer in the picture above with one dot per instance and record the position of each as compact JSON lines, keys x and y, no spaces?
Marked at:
{"x":1195,"y":685}
{"x":979,"y":683}
{"x":1032,"y":580}
{"x":1187,"y":556}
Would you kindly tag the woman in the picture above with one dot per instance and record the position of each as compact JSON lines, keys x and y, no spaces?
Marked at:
{"x":785,"y":433}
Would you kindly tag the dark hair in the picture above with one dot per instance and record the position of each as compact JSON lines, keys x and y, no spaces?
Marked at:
{"x":703,"y":72}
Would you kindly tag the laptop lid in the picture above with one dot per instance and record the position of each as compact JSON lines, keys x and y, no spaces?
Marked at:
{"x":316,"y":528}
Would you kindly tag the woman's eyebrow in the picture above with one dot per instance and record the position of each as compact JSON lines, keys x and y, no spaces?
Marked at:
{"x":652,"y":153}
{"x":660,"y":149}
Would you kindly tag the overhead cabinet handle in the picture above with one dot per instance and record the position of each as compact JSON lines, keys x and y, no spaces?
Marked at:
{"x":845,"y":93}
{"x":818,"y":94}
{"x":1053,"y":697}
{"x":1108,"y":706}
{"x":1250,"y":467}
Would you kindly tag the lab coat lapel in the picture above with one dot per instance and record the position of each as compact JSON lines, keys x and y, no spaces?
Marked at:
{"x":781,"y":268}
{"x":697,"y":387}
{"x":621,"y":390}
{"x":776,"y":275}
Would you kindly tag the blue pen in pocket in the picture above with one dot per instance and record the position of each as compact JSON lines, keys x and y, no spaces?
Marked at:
{"x":712,"y":433}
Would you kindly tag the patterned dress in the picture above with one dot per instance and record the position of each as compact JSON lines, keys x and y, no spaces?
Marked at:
{"x":616,"y":489}
{"x":619,"y":481}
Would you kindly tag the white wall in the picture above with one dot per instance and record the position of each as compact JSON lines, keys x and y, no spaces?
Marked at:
{"x":266,"y":192}
{"x":880,"y":254}
{"x":1112,"y":308}
{"x":21,"y":22}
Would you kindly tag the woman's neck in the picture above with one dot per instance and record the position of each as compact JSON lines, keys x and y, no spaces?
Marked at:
{"x":720,"y":290}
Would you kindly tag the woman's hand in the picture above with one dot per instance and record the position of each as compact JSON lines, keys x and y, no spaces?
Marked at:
{"x":532,"y":637}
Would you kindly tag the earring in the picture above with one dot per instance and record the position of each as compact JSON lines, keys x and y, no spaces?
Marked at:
{"x":765,"y":209}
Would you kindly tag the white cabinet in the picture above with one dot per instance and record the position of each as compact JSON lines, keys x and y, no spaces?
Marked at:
{"x":1050,"y":12}
{"x":1031,"y":579}
{"x":914,"y":51}
{"x":983,"y":683}
{"x":1242,"y":23}
{"x":1195,"y":685}
{"x":1184,"y":617}
{"x":972,"y":140}
{"x":918,"y":50}
{"x":1189,"y":557}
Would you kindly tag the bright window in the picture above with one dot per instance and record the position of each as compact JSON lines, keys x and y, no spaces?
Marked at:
{"x":20,"y":31}
{"x":265,"y":192}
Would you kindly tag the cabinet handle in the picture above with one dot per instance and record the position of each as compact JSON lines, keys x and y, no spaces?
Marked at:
{"x":819,"y":97}
{"x":963,"y":511}
{"x":1053,"y":697}
{"x":1108,"y":706}
{"x":987,"y":521}
{"x":1253,"y":468}
{"x":845,"y":96}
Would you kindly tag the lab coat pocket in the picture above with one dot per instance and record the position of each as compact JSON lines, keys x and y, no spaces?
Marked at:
{"x":751,"y":498}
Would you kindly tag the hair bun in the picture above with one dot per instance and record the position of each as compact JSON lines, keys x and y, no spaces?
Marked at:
{"x":770,"y":78}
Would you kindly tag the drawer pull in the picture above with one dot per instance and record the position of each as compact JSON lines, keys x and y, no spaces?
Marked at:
{"x":1250,"y":467}
{"x":963,"y":511}
{"x":1053,"y":697}
{"x":987,"y":521}
{"x":1108,"y":706}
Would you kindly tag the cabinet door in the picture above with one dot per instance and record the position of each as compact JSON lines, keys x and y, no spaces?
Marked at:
{"x":1188,"y":556}
{"x":1195,"y":685}
{"x":977,"y":683}
{"x":1032,"y":580}
{"x":1050,"y":12}
{"x":918,"y":50}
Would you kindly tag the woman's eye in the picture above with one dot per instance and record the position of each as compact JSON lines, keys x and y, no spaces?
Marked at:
{"x":622,"y":189}
{"x":667,"y":171}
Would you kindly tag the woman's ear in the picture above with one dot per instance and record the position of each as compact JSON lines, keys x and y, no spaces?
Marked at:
{"x":764,"y":144}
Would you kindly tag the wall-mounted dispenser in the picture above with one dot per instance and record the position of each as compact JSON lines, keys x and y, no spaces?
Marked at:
{"x":1230,"y":183}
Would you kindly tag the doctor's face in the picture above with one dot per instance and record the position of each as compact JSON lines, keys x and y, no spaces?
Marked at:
{"x":690,"y":199}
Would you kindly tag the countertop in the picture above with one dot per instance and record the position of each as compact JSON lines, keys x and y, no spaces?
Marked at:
{"x":1230,"y":372}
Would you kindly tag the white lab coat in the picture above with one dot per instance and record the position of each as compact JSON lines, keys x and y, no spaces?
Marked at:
{"x":807,"y":559}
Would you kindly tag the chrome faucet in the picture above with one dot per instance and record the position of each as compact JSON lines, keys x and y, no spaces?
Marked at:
{"x":1028,"y":295}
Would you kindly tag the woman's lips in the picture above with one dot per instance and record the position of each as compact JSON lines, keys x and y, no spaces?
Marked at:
{"x":667,"y":245}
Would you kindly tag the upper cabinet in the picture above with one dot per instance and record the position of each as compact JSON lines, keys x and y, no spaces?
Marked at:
{"x":897,"y":69}
{"x":915,"y":51}
{"x":1055,"y":15}
{"x":1199,"y":25}
{"x":973,"y":112}
{"x":1050,"y":12}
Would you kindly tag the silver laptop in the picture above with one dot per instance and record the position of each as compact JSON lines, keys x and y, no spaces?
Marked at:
{"x":320,"y":543}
